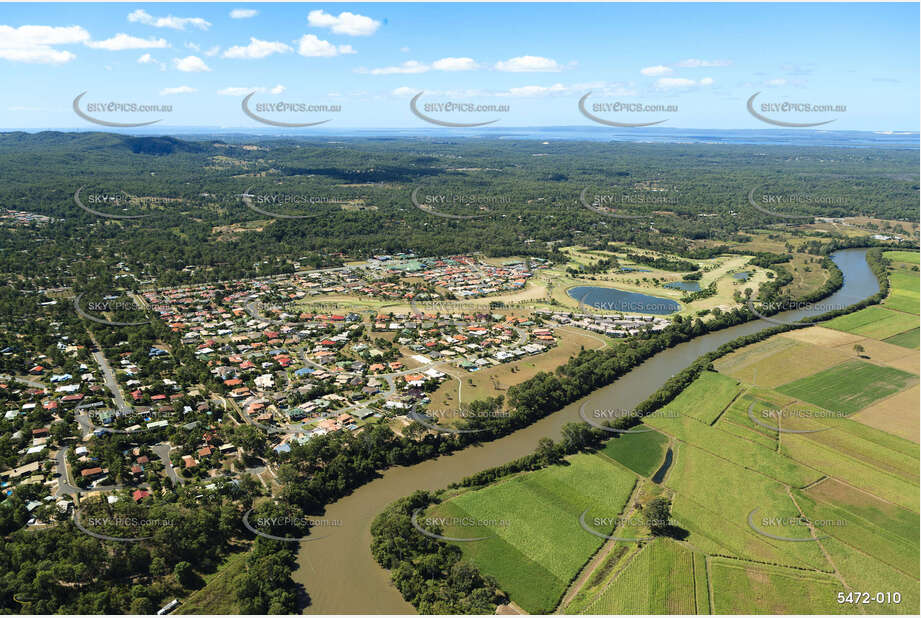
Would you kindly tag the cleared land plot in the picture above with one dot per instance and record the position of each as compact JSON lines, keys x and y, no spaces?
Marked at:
{"x":659,"y":580}
{"x":542,"y":547}
{"x":763,"y":404}
{"x":909,"y":339}
{"x":883,"y":353}
{"x":705,"y":398}
{"x":740,"y":588}
{"x":825,"y":337}
{"x":849,"y":387}
{"x":495,"y":381}
{"x":874,"y":322}
{"x":897,"y":415}
{"x":642,"y":452}
{"x":778,"y":360}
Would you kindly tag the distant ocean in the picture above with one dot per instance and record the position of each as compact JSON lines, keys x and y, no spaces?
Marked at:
{"x":652,"y":135}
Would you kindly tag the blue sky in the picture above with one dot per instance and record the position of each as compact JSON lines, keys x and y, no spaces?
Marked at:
{"x":538,"y":60}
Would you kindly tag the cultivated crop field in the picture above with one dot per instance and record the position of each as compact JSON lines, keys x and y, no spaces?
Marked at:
{"x":642,"y":451}
{"x":777,"y":361}
{"x":705,"y":398}
{"x":903,"y":291}
{"x":849,"y":387}
{"x":874,"y":322}
{"x":542,"y":511}
{"x":738,"y":586}
{"x":659,"y":580}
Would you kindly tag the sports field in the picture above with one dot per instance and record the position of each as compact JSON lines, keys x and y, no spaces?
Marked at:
{"x":541,"y":513}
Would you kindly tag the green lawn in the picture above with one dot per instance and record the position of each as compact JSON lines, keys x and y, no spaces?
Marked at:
{"x":542,"y":547}
{"x":642,"y":452}
{"x":874,"y":322}
{"x":848,"y":387}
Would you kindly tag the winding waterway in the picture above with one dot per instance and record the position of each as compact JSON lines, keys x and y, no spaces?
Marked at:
{"x":338,"y":571}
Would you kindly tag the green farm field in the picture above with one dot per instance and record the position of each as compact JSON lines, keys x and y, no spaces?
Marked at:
{"x":659,"y":580}
{"x":542,"y":512}
{"x":910,"y":339}
{"x":903,"y":291}
{"x":642,"y":451}
{"x":705,"y":398}
{"x":907,"y":257}
{"x":874,"y":322}
{"x":741,"y":588}
{"x":849,"y":387}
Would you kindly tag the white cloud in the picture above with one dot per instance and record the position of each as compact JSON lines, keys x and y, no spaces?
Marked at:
{"x":178,"y":90}
{"x":404,"y":49}
{"x":213,"y":51}
{"x":536,"y":91}
{"x":141,"y":16}
{"x":410,"y":67}
{"x":193,"y":46}
{"x":528,"y":64}
{"x":243,"y":13}
{"x":656,"y":71}
{"x":190,"y":64}
{"x":695,"y":63}
{"x":669,"y":83}
{"x":148,"y":59}
{"x":35,"y":43}
{"x":234,"y":91}
{"x":123,"y":41}
{"x":346,"y":23}
{"x":311,"y":46}
{"x":455,"y":64}
{"x":776,"y":82}
{"x":256,"y":49}
{"x":404,"y":91}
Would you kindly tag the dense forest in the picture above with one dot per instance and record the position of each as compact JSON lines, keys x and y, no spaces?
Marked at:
{"x":313,"y":203}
